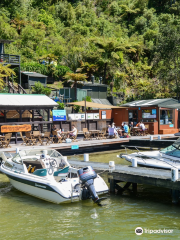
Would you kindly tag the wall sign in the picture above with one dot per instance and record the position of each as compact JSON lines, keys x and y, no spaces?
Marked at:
{"x":16,"y":128}
{"x":103,"y":114}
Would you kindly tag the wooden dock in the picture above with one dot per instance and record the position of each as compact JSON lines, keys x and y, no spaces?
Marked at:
{"x":135,"y":175}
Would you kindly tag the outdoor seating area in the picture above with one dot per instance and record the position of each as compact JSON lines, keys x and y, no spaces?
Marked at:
{"x":56,"y":136}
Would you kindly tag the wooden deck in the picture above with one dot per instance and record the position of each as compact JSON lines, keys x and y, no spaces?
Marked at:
{"x":135,"y":175}
{"x":91,"y":144}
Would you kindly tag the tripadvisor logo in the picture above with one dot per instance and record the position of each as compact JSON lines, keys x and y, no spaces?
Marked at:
{"x":139,"y":231}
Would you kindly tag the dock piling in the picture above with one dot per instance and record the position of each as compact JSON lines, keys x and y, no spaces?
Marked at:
{"x":86,"y":157}
{"x":134,"y":162}
{"x":175,"y":196}
{"x":112,"y":186}
{"x":174,"y":174}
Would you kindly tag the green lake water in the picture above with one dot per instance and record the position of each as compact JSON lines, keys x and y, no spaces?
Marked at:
{"x":26,"y":217}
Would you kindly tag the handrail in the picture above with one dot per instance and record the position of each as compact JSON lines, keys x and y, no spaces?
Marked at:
{"x":9,"y":58}
{"x":12,"y":87}
{"x":20,"y":87}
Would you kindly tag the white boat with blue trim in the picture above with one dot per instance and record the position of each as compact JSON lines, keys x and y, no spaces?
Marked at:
{"x":166,"y":158}
{"x":47,"y":175}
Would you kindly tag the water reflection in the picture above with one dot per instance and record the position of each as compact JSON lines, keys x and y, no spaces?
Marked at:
{"x":26,"y":217}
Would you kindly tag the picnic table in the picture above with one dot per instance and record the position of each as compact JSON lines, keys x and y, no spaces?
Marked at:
{"x":94,"y":133}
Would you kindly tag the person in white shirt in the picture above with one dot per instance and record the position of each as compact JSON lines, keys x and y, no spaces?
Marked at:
{"x":142,"y":126}
{"x":58,"y":132}
{"x":73,"y":132}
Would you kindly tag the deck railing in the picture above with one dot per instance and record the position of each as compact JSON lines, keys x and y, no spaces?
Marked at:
{"x":11,"y":59}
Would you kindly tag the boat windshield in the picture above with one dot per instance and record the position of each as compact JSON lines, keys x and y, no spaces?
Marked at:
{"x":17,"y":159}
{"x":34,"y":154}
{"x":172,"y":150}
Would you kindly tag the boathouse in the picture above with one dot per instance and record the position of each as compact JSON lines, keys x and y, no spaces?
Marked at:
{"x":161,"y":115}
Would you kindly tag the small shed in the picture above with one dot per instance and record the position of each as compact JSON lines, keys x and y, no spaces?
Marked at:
{"x":29,"y":79}
{"x":96,"y":90}
{"x":161,"y":115}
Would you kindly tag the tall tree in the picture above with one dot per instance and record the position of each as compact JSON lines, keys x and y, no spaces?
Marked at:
{"x":167,"y":56}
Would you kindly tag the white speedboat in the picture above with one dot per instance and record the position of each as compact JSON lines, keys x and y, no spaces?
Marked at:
{"x":46,"y":174}
{"x":167,"y":158}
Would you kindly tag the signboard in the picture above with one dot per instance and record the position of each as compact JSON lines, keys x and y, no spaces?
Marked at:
{"x":59,"y":115}
{"x":16,"y":128}
{"x":90,"y":116}
{"x":149,"y":113}
{"x":103,"y":114}
{"x":74,"y":147}
{"x":96,"y":115}
{"x":71,"y":116}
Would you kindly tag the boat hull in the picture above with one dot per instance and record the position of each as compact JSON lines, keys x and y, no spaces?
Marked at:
{"x":44,"y":190}
{"x":158,"y":162}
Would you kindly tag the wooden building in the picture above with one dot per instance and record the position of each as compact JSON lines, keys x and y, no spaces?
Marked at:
{"x":17,"y":109}
{"x":30,"y":78}
{"x":160,"y":114}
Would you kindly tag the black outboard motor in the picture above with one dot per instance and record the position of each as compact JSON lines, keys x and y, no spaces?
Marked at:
{"x":87,"y":176}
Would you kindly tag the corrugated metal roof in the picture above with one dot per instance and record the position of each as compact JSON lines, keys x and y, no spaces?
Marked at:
{"x":101,"y":101}
{"x":17,"y":100}
{"x":33,"y":74}
{"x":152,"y":102}
{"x":94,"y":84}
{"x":92,"y":105}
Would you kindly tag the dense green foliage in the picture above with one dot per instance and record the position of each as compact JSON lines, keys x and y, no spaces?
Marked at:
{"x":40,"y":89}
{"x":133,"y":44}
{"x":61,"y":105}
{"x":49,"y":69}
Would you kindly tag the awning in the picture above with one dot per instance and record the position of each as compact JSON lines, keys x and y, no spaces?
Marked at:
{"x":92,"y":105}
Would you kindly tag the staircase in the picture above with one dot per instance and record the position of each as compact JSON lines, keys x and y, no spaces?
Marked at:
{"x":16,"y":89}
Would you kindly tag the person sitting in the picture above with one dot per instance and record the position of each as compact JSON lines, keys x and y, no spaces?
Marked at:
{"x":58,"y":133}
{"x":109,"y":126}
{"x":126,"y":129}
{"x":142,"y":126}
{"x":138,"y":124}
{"x":73,"y":132}
{"x":131,"y":125}
{"x":115,"y":132}
{"x":53,"y":129}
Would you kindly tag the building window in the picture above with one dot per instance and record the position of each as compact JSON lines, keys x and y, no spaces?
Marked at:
{"x":148,"y":115}
{"x":166,"y":117}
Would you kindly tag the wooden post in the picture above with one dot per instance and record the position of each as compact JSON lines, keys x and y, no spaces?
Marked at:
{"x":4,"y":115}
{"x":134,"y":188}
{"x":16,"y":138}
{"x":20,"y":115}
{"x":112,"y":185}
{"x":48,"y":113}
{"x":85,"y":113}
{"x":175,"y":196}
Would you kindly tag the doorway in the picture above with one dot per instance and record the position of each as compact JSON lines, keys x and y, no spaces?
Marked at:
{"x":133,"y":116}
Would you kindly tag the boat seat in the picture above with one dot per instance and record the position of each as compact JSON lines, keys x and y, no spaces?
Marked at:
{"x":63,"y":171}
{"x":40,"y":172}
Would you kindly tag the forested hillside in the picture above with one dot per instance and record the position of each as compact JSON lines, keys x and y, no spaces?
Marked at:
{"x":132,"y":44}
